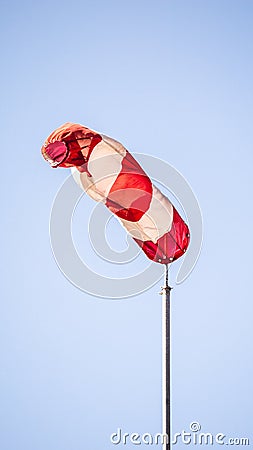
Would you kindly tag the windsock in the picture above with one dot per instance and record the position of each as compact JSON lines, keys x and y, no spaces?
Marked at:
{"x":108,"y":173}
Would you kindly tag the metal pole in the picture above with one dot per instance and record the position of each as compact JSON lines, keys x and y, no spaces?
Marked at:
{"x":166,"y":400}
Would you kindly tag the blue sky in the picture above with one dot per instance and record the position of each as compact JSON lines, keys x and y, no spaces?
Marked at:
{"x":171,"y":79}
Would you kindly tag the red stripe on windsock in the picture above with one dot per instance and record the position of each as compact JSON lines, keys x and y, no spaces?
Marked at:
{"x":171,"y":245}
{"x":130,"y":195}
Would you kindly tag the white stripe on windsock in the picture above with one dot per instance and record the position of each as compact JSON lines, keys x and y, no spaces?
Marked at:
{"x":105,"y":164}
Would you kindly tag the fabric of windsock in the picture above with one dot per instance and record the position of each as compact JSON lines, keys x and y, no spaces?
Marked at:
{"x":108,"y":173}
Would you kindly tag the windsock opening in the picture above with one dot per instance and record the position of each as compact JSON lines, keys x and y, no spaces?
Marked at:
{"x":70,"y":145}
{"x":56,"y":153}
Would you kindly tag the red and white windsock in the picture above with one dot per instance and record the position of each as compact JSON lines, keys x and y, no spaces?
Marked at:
{"x":108,"y":173}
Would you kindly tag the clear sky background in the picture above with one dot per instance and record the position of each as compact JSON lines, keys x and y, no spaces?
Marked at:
{"x":171,"y":79}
